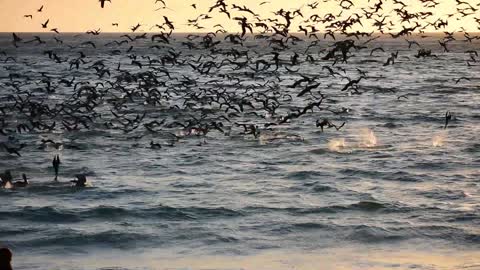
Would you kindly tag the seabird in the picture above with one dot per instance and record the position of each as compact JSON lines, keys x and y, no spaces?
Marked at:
{"x":102,"y":2}
{"x":56,"y":165}
{"x":81,"y":180}
{"x":20,"y":184}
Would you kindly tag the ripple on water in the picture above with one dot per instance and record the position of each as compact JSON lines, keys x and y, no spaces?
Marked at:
{"x":306,"y":175}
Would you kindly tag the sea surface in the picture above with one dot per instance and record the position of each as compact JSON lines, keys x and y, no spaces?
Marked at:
{"x":391,"y":189}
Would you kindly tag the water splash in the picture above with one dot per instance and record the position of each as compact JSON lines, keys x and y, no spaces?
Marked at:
{"x":336,"y":145}
{"x":368,"y":138}
{"x":8,"y":186}
{"x":438,"y":140}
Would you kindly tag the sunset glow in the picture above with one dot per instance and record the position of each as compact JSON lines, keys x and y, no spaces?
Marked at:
{"x":84,"y":15}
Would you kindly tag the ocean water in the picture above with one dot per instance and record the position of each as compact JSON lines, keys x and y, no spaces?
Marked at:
{"x":392,"y":189}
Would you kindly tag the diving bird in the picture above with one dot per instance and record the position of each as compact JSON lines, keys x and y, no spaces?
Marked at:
{"x":448,"y":117}
{"x":102,"y":2}
{"x":56,"y":165}
{"x":16,"y":38}
{"x":45,"y":25}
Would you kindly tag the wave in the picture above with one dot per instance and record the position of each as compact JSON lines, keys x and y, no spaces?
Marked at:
{"x":191,"y":185}
{"x":444,"y":194}
{"x":70,"y":239}
{"x":365,"y":206}
{"x":372,"y":234}
{"x":306,"y":175}
{"x":41,"y":214}
{"x":57,"y":215}
{"x":368,"y":233}
{"x":8,"y":232}
{"x":78,"y":239}
{"x":401,"y":176}
{"x":127,"y":239}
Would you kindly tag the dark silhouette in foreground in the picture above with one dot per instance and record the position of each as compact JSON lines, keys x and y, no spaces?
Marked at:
{"x":5,"y":259}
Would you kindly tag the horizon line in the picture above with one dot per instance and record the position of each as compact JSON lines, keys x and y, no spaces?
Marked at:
{"x":249,"y":34}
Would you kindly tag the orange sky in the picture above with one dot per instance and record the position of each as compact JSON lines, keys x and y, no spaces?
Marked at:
{"x":83,"y":15}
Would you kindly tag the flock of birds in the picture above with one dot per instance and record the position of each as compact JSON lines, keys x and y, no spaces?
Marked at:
{"x":230,"y":86}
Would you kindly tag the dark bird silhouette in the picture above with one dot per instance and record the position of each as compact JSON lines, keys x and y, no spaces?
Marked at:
{"x":102,"y":2}
{"x":352,"y":83}
{"x":81,"y":180}
{"x":376,"y":49}
{"x":56,"y":166}
{"x":135,"y":28}
{"x":461,"y":78}
{"x":45,"y":25}
{"x":168,"y":23}
{"x":308,"y":89}
{"x":411,"y":43}
{"x":11,"y":150}
{"x":448,"y":117}
{"x":444,"y":45}
{"x":155,"y":145}
{"x":16,"y":38}
{"x":21,"y":184}
{"x":328,"y":124}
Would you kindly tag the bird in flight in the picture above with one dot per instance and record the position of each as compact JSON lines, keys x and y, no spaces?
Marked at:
{"x":40,"y":9}
{"x":168,"y":23}
{"x":16,"y":38}
{"x":28,"y":16}
{"x":102,"y":2}
{"x":135,"y":28}
{"x":45,"y":25}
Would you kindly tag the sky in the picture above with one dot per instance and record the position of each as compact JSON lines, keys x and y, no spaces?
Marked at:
{"x":84,"y":15}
